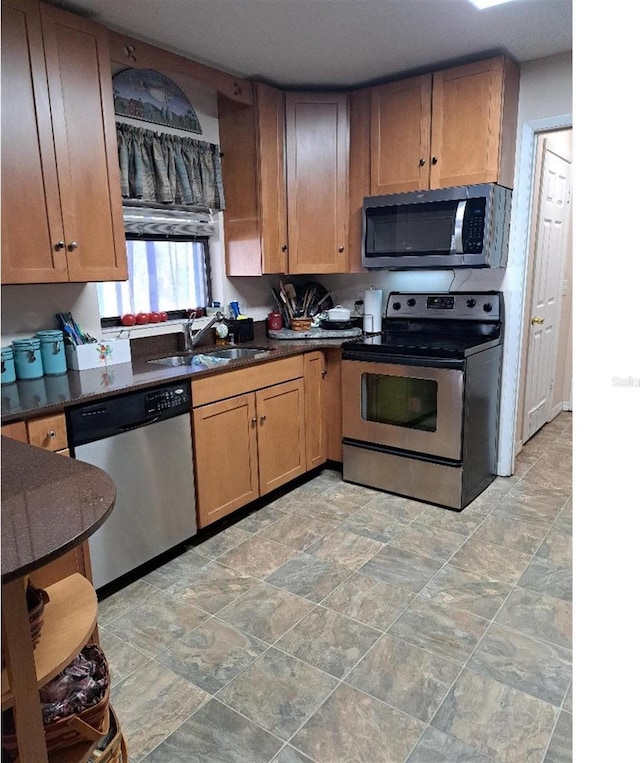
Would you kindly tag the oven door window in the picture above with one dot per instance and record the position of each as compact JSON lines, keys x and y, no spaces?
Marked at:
{"x":400,"y":401}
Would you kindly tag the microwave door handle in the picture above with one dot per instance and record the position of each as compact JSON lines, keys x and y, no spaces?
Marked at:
{"x":457,"y":246}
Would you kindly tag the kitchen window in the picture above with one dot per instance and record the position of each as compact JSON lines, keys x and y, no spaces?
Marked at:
{"x":165,"y":275}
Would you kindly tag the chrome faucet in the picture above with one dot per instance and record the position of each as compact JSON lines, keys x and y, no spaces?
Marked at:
{"x":191,"y":340}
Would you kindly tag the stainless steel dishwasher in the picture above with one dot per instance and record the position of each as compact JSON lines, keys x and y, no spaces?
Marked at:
{"x":142,"y":440}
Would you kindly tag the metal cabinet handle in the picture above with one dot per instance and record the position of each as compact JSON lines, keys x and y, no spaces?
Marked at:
{"x":422,"y":162}
{"x":254,"y":421}
{"x":434,"y":160}
{"x":58,"y":245}
{"x":537,"y":321}
{"x":284,"y":247}
{"x":72,"y":245}
{"x":263,"y":419}
{"x":324,"y":373}
{"x":341,"y":249}
{"x":51,"y":434}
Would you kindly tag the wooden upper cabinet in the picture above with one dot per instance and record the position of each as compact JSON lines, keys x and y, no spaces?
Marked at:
{"x":272,"y":181}
{"x":255,"y":217}
{"x":317,"y":138}
{"x":31,"y":212}
{"x":61,"y":205}
{"x":359,"y":170}
{"x":455,"y":127}
{"x":400,"y":134}
{"x":474,"y":124}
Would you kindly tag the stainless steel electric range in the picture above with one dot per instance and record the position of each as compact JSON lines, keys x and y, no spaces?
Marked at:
{"x":421,"y":399}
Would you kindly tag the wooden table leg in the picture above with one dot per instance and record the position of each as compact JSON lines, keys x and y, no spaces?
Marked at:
{"x":18,"y":653}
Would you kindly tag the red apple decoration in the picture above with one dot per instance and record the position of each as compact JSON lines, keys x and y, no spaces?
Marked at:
{"x":142,"y":318}
{"x":163,"y":317}
{"x":155,"y":317}
{"x":128,"y":319}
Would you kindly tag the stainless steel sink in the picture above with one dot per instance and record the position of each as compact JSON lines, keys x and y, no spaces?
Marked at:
{"x":233,"y":353}
{"x":213,"y":357}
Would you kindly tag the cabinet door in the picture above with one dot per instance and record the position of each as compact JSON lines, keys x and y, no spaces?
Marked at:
{"x":333,"y":403}
{"x":281,"y":448}
{"x":474,"y":124}
{"x":237,"y":124}
{"x":79,"y":77}
{"x":271,"y":178}
{"x":359,"y":170}
{"x":33,"y":249}
{"x":315,"y":413}
{"x":400,"y":132}
{"x":226,"y":458}
{"x":255,"y":217}
{"x":317,"y":182}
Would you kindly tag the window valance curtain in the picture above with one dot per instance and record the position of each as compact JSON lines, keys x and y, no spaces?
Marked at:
{"x":169,"y":169}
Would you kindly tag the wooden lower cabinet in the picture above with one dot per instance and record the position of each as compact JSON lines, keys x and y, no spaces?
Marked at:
{"x":314,"y":409}
{"x":332,"y":404}
{"x":281,"y":434}
{"x":226,"y":456}
{"x":246,"y":446}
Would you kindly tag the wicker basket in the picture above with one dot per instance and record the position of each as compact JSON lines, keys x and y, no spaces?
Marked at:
{"x":300,"y":324}
{"x":90,"y":724}
{"x":37,"y":598}
{"x":115,"y":750}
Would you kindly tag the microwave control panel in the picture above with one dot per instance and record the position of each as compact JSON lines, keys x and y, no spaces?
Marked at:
{"x":473,"y":226}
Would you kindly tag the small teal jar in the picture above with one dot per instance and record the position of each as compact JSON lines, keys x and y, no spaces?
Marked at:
{"x":54,"y":360}
{"x":28,"y":358}
{"x":8,"y":366}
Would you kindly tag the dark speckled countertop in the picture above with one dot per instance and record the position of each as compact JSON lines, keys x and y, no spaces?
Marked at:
{"x":52,"y":394}
{"x":49,"y":505}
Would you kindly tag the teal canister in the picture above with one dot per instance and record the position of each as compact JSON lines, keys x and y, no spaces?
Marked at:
{"x":28,"y":358}
{"x":8,"y":366}
{"x":54,"y":360}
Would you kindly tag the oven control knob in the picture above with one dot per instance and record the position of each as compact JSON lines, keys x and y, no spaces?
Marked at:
{"x":411,"y":302}
{"x":396,"y":305}
{"x":487,"y":307}
{"x":471,"y":303}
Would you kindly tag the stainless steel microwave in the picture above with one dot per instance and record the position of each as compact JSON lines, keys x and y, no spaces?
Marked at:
{"x":462,"y":227}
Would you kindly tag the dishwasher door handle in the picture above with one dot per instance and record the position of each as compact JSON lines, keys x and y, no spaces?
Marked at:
{"x":145,"y":423}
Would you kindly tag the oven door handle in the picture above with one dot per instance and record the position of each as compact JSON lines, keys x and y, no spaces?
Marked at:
{"x":402,"y":360}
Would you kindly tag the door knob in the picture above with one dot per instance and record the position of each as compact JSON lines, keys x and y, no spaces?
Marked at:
{"x":422,"y":162}
{"x":263,"y":419}
{"x":536,"y":320}
{"x":72,"y":245}
{"x":58,"y":245}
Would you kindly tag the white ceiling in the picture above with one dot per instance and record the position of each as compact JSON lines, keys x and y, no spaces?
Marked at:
{"x":324,"y":43}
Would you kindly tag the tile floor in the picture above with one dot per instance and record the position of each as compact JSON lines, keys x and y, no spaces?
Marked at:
{"x":338,"y":623}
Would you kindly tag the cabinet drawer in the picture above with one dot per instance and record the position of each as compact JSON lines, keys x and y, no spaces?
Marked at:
{"x":245,"y":380}
{"x":16,"y":430}
{"x":49,"y":432}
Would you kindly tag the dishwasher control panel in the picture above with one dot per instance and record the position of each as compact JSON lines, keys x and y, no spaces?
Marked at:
{"x":166,"y":399}
{"x":124,"y":412}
